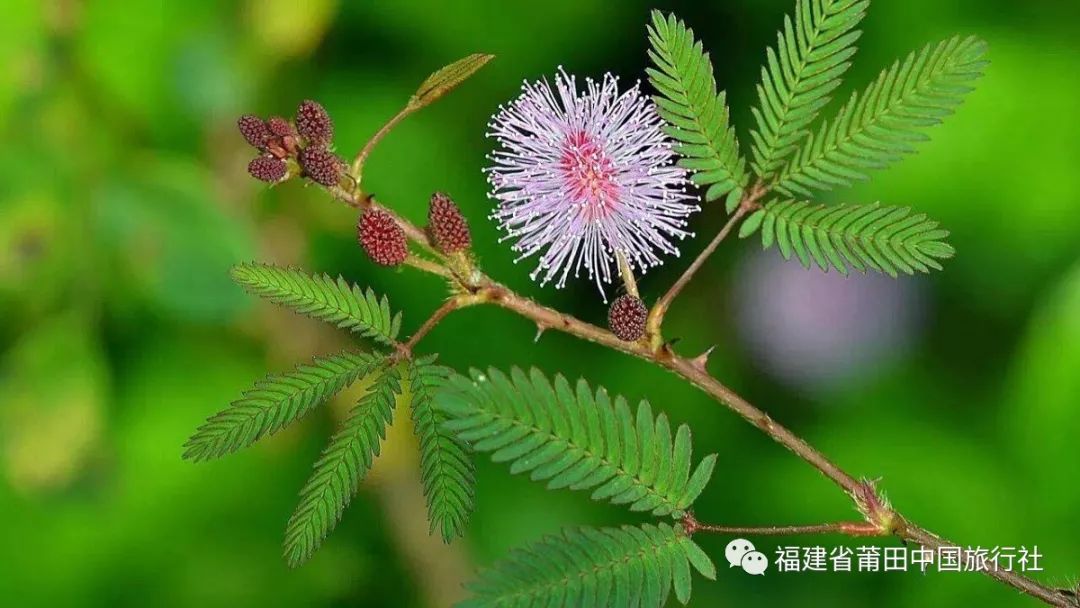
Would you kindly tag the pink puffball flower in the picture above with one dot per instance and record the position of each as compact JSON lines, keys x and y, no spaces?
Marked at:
{"x":583,"y":178}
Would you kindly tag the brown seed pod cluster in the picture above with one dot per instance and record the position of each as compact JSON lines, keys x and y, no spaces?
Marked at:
{"x":282,"y":145}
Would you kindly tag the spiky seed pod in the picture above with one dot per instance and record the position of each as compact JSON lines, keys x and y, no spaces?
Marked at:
{"x":279,"y":127}
{"x":626,"y":318}
{"x":447,"y":225}
{"x":321,"y":165}
{"x":381,"y":237}
{"x":254,"y":130}
{"x":313,"y":122}
{"x":268,"y":169}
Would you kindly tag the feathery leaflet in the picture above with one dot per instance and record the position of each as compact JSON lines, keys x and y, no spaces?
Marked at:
{"x":275,"y":402}
{"x":323,"y":298}
{"x":596,"y":567}
{"x":445,"y":466}
{"x":877,"y":237}
{"x":578,"y":439}
{"x":878,"y":127}
{"x":340,"y":469}
{"x":811,"y":54}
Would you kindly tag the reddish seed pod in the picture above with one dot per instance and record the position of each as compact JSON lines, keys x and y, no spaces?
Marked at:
{"x":254,"y":130}
{"x":626,"y":318}
{"x":321,"y":165}
{"x":447,"y":225}
{"x":268,"y":169}
{"x":313,"y":122}
{"x":279,"y":127}
{"x":381,"y":238}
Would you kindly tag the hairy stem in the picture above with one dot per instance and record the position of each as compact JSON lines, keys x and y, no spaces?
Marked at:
{"x":881,"y":518}
{"x":358,"y":163}
{"x":627,"y":274}
{"x":439,"y":314}
{"x":428,"y":266}
{"x":655,"y":321}
{"x":656,"y":315}
{"x":1053,"y":597}
{"x":849,"y":528}
{"x":549,"y":318}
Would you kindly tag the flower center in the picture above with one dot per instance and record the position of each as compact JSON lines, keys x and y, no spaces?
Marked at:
{"x":589,"y":174}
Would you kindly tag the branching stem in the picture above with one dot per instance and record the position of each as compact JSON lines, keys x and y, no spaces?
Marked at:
{"x":881,"y":518}
{"x":654,"y":323}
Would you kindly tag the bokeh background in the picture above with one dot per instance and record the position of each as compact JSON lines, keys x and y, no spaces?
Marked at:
{"x":124,"y":200}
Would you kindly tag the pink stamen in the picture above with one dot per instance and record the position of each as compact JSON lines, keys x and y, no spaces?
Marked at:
{"x":589,"y":175}
{"x":583,"y":177}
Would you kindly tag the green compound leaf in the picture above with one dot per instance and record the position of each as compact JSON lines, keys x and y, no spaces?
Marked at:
{"x":275,"y":402}
{"x":323,"y":298}
{"x":340,"y":469}
{"x":445,"y":466}
{"x":596,"y":567}
{"x":878,"y":127}
{"x":577,"y":439}
{"x":698,"y":115}
{"x":812,"y":53}
{"x":447,"y":78}
{"x":876,"y":237}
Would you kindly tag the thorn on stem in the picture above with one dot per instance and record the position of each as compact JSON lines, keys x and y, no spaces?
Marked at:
{"x":701,"y":360}
{"x":540,"y":329}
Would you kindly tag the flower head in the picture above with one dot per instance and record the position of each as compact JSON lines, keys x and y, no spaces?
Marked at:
{"x":627,"y":317}
{"x":268,"y":169}
{"x":447,"y":225}
{"x":254,"y":130}
{"x":382,"y":238}
{"x":279,"y":127}
{"x":582,"y":177}
{"x":313,"y":122}
{"x":321,"y":165}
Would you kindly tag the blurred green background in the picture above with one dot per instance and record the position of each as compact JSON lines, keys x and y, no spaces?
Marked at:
{"x":124,"y":200}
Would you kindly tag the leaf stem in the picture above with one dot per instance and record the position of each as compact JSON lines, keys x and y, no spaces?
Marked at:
{"x":428,"y":266}
{"x":627,"y":274}
{"x":358,"y":163}
{"x":439,"y":314}
{"x":654,"y":322}
{"x":848,"y":528}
